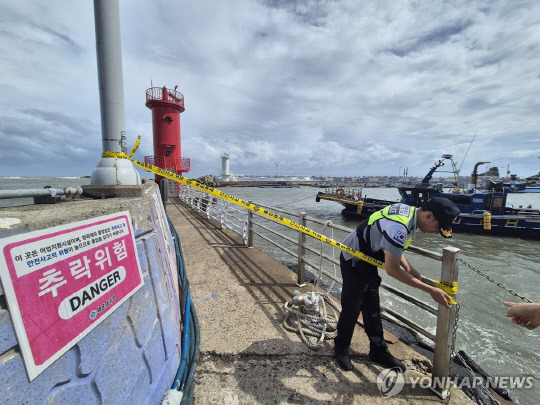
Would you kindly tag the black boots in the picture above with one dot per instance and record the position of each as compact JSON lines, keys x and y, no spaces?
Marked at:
{"x":343,"y":359}
{"x":384,"y":358}
{"x":380,"y":356}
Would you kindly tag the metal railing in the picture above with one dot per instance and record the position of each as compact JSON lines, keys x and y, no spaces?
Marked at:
{"x":314,"y":256}
{"x":176,"y":163}
{"x":164,"y":94}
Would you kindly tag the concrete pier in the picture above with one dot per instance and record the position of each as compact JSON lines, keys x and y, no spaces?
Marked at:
{"x":247,"y":357}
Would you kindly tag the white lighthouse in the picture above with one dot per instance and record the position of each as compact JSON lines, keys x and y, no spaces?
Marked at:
{"x":225,"y":175}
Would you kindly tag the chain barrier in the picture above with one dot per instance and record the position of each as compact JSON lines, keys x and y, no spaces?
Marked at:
{"x":325,"y":330}
{"x":491,"y":279}
{"x":454,"y":354}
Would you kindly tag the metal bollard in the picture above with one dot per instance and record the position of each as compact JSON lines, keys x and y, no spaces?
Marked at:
{"x":445,"y":326}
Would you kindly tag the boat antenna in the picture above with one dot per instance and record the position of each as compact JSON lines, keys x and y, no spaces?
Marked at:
{"x":466,"y":153}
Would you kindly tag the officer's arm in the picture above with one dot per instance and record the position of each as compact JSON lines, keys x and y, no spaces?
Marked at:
{"x":409,"y":268}
{"x":393,"y":269}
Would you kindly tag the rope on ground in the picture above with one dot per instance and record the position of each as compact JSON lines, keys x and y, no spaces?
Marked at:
{"x":307,"y":314}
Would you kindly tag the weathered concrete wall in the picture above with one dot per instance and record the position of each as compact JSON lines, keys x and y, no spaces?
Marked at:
{"x":133,"y":355}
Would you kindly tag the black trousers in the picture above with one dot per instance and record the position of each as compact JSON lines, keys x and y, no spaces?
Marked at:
{"x":360,"y":293}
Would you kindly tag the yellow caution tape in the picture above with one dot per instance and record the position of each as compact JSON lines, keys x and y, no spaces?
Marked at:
{"x":135,"y":147}
{"x":259,"y":210}
{"x":450,"y":287}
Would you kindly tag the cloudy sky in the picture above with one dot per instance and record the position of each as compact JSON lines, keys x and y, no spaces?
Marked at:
{"x":336,"y":87}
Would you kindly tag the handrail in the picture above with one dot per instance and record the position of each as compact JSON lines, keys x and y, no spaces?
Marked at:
{"x":164,"y":94}
{"x":443,"y":344}
{"x":177,"y":163}
{"x":189,"y":195}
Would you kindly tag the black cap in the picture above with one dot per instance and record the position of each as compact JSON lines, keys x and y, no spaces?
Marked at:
{"x":445,"y":211}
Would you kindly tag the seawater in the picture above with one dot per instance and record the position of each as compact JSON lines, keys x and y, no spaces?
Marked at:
{"x":484,"y":333}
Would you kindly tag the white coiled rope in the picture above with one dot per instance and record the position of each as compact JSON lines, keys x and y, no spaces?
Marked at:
{"x":308,"y":315}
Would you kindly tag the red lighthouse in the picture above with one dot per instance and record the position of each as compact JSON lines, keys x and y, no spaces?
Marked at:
{"x":166,"y":106}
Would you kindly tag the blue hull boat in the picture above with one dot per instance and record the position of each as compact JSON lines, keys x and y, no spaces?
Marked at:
{"x":482,"y":211}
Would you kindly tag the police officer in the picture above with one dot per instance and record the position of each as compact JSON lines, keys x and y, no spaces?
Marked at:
{"x":384,"y":236}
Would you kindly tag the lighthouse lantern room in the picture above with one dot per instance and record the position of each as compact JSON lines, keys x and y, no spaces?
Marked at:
{"x":166,"y":106}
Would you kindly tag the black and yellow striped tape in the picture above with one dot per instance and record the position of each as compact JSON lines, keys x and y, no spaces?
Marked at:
{"x":448,"y":286}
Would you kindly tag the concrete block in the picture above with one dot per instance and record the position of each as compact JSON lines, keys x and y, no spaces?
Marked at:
{"x":154,"y":351}
{"x":165,"y":380}
{"x":16,"y":388}
{"x":7,"y":333}
{"x":121,"y":191}
{"x":97,"y":343}
{"x":132,"y":356}
{"x":142,"y":254}
{"x":142,"y":312}
{"x":116,"y":376}
{"x":166,"y":299}
{"x":77,"y":392}
{"x":142,"y":389}
{"x":158,"y":279}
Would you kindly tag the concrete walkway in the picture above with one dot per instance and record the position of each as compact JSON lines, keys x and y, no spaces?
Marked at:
{"x":247,"y":357}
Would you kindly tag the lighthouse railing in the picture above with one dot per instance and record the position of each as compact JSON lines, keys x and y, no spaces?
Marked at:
{"x":172,"y":96}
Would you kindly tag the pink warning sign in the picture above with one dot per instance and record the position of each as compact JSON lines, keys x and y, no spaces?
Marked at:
{"x":61,"y":282}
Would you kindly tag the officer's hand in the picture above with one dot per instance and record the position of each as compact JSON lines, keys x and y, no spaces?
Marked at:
{"x":524,"y":314}
{"x":441,"y":297}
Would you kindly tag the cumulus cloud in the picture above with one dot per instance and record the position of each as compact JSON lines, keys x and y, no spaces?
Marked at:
{"x":316,"y":87}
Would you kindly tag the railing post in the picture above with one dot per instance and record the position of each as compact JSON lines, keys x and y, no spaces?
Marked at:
{"x":445,"y":327}
{"x":249,"y":227}
{"x":301,"y":280}
{"x":223,"y":216}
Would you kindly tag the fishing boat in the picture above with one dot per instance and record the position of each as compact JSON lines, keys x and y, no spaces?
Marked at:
{"x":483,"y":211}
{"x":514,"y":186}
{"x":278,"y":186}
{"x":532,"y":189}
{"x":356,"y":205}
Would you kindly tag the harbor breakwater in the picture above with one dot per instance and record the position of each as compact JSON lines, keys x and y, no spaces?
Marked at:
{"x":126,"y":343}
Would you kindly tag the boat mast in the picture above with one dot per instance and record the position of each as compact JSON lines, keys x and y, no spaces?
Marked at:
{"x":438,"y":164}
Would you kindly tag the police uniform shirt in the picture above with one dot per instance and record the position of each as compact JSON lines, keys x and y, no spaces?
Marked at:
{"x":385,"y":235}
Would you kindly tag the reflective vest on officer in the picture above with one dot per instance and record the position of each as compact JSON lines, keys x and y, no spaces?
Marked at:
{"x":396,"y":212}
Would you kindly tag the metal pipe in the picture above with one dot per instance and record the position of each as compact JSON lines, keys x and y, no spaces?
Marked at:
{"x":275,"y":244}
{"x":474,"y":174}
{"x":424,"y":252}
{"x":110,"y":78}
{"x":270,"y":230}
{"x":40,"y":192}
{"x":111,"y":171}
{"x":324,"y":272}
{"x":408,"y":323}
{"x":301,"y":274}
{"x":249,"y":228}
{"x":409,"y":298}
